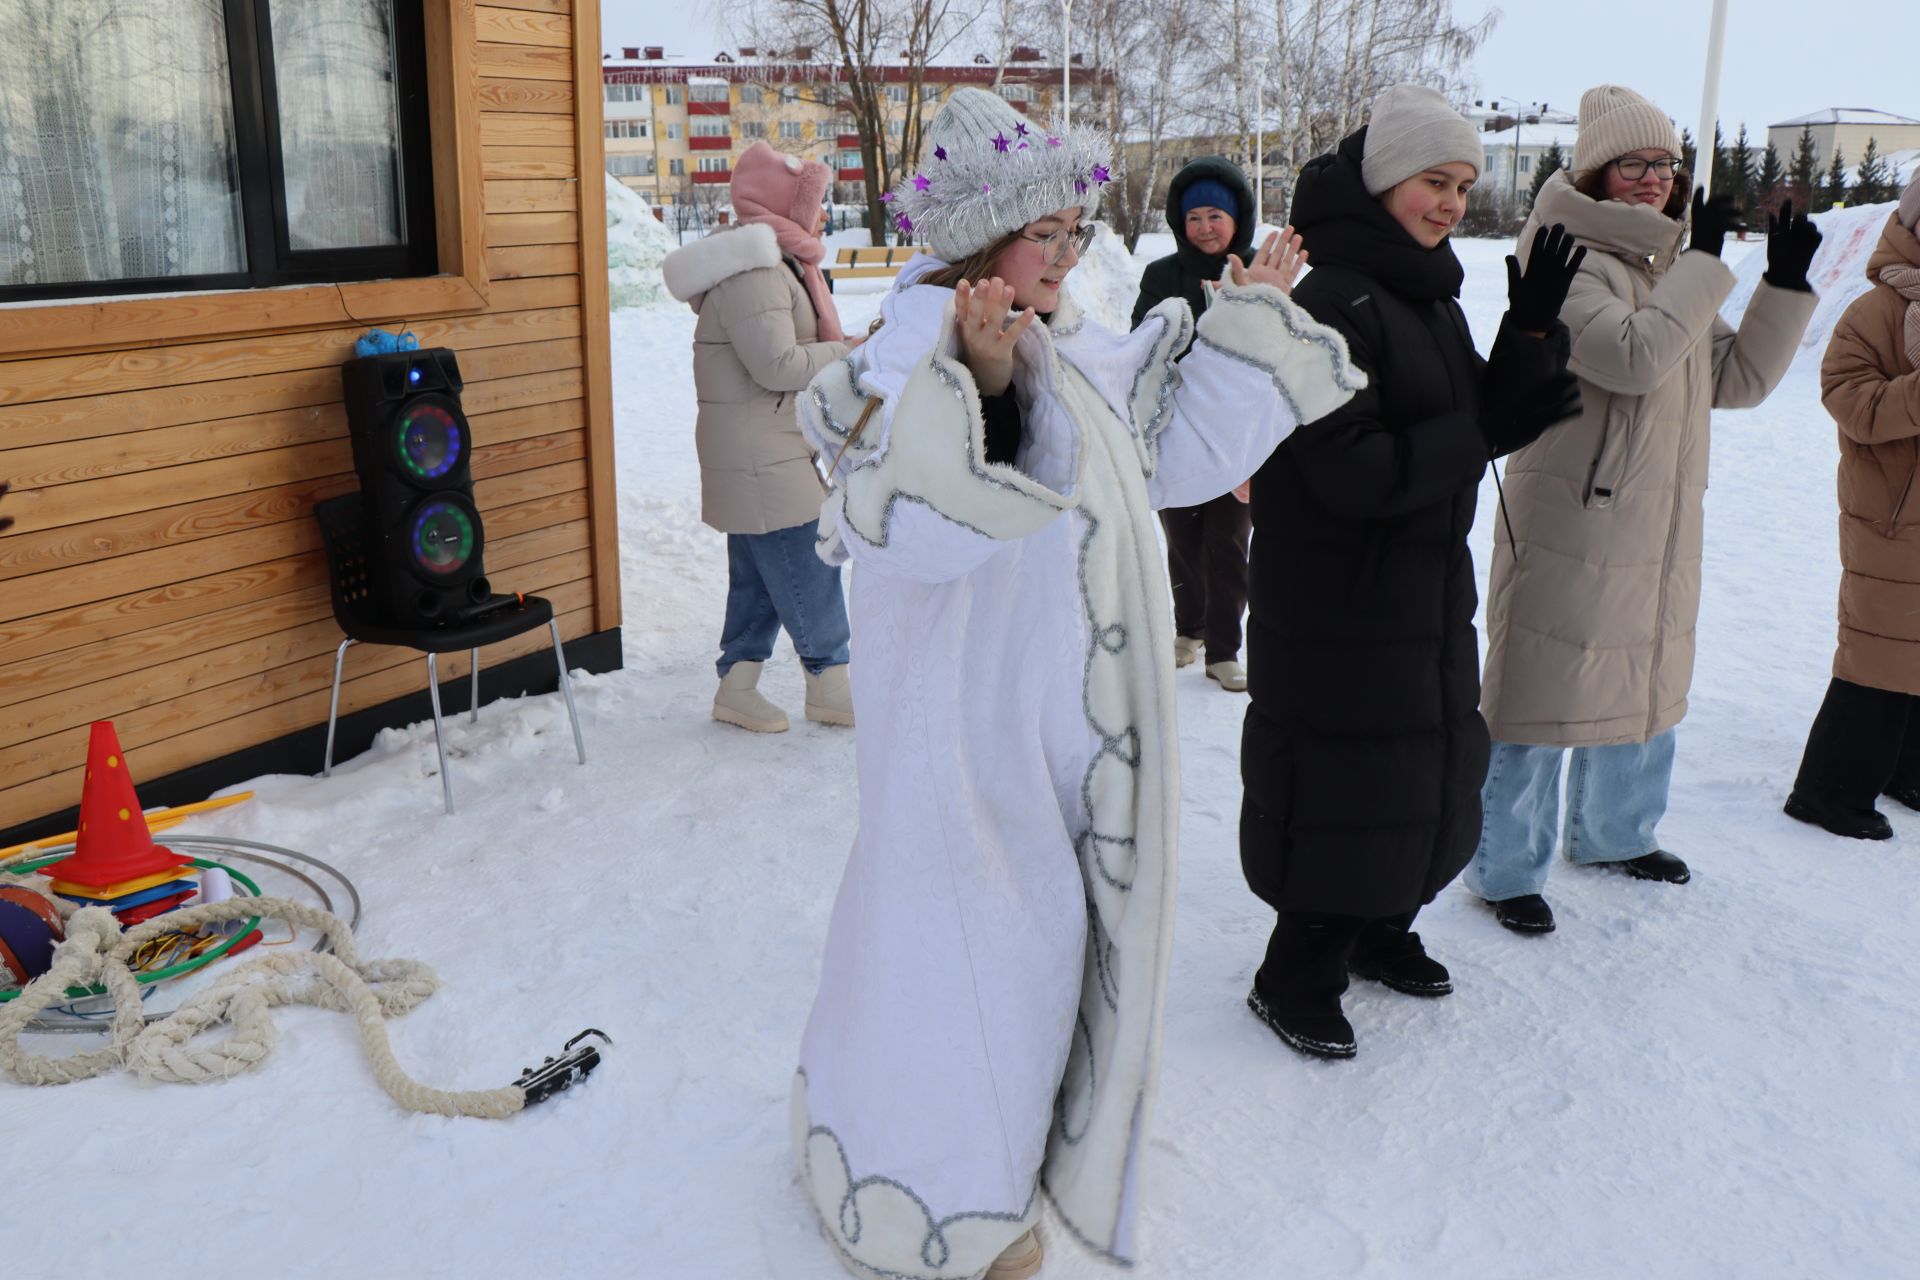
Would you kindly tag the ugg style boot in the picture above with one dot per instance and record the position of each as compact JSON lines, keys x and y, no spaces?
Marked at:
{"x":830,"y":697}
{"x":1230,"y":674}
{"x":1018,"y":1260}
{"x":1395,"y":959}
{"x":1323,"y":1034}
{"x":1869,"y":824}
{"x":739,"y":701}
{"x":1185,"y":650}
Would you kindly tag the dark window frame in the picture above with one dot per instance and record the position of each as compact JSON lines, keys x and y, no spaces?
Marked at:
{"x":260,"y":167}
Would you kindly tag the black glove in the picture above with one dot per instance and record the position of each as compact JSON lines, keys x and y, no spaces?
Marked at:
{"x":1534,"y":299}
{"x":1514,"y":419}
{"x":1791,"y":243}
{"x":1712,"y":219}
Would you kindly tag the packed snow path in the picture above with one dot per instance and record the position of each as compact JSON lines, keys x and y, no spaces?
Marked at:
{"x":1713,"y":1080}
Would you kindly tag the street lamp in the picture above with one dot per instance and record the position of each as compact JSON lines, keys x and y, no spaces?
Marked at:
{"x":1066,"y":63}
{"x":1259,"y":142}
{"x":1536,"y":110}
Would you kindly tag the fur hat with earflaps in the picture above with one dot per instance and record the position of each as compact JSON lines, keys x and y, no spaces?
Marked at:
{"x":986,"y":172}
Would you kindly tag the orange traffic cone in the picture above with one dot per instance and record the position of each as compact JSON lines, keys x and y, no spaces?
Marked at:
{"x":113,"y":844}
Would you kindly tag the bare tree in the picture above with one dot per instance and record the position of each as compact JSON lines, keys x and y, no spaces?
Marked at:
{"x":871,"y":47}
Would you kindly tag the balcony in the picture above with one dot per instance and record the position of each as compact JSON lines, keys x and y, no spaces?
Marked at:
{"x":721,"y":143}
{"x":709,"y":108}
{"x":847,"y":141}
{"x":702,"y":175}
{"x":852,"y":175}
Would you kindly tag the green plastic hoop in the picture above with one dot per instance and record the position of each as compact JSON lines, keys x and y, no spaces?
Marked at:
{"x":185,"y":967}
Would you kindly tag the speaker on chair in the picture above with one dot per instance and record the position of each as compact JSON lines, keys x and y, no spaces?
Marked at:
{"x":413,"y":452}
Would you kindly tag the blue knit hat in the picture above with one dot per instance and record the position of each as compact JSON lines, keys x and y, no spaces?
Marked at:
{"x":1208,"y":193}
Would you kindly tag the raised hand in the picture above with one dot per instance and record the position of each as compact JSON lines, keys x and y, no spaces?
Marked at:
{"x":1791,"y":243}
{"x":1712,"y":219}
{"x":986,"y":339}
{"x":1277,"y":262}
{"x":1534,"y":298}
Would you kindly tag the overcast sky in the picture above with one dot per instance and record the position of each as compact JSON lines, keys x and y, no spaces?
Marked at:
{"x":1784,"y":58}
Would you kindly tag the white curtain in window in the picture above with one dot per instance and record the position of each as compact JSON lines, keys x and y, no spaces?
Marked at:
{"x":116,"y":142}
{"x":333,"y":63}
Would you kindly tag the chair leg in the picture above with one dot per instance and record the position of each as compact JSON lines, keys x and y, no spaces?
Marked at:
{"x":333,"y":705}
{"x":439,"y":738}
{"x":473,"y":690}
{"x":566,"y":688}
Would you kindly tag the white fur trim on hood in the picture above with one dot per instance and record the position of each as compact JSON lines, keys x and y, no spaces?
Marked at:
{"x":693,"y":269}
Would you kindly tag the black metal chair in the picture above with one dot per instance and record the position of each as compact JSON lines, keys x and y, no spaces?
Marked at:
{"x":347,"y":574}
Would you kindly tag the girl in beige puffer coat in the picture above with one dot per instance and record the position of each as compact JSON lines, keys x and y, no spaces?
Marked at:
{"x":1592,"y":602}
{"x":1865,"y":742}
{"x":767,"y":326}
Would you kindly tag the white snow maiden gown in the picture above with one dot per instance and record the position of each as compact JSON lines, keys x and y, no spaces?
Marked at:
{"x":988,"y":1018}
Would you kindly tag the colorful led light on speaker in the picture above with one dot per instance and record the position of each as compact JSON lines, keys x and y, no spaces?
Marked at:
{"x":442,"y":537}
{"x":430,"y":443}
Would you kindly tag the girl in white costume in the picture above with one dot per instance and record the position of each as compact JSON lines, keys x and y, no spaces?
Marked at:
{"x":988,"y":1018}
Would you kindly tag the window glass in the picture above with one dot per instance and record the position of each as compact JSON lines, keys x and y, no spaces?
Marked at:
{"x":333,"y":63}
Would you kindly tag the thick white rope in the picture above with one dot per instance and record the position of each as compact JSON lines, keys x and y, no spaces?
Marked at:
{"x":96,"y":951}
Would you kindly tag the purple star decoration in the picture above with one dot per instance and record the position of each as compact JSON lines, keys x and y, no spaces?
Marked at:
{"x":888,"y":198}
{"x":920,"y":182}
{"x":1080,"y":186}
{"x":904,"y":223}
{"x":986,"y":188}
{"x":939,"y":153}
{"x":1000,"y":142}
{"x":1100,"y":174}
{"x":1020,"y":130}
{"x":1052,"y":141}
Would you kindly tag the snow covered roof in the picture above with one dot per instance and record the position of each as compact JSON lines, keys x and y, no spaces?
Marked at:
{"x":1846,"y":115}
{"x":1544,"y":134}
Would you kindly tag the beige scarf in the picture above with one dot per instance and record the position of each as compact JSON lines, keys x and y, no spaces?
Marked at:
{"x":1905,"y":281}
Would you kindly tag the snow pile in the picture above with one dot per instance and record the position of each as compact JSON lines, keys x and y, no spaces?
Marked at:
{"x":636,"y":242}
{"x":1107,"y":280}
{"x":1838,"y":274}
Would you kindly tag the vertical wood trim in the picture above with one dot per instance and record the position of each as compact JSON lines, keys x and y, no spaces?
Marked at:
{"x":454,"y":111}
{"x":590,"y":142}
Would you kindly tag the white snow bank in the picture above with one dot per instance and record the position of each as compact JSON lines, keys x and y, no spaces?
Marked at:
{"x":1838,"y":274}
{"x":636,"y":242}
{"x":1107,"y":281}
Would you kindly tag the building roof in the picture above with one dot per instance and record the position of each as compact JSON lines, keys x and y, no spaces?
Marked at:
{"x":1542,"y":135}
{"x":1845,"y":115}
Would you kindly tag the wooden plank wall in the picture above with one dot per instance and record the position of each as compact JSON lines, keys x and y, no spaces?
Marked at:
{"x":165,"y":570}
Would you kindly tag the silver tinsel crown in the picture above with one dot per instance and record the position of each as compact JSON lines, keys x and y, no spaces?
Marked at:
{"x":986,"y":172}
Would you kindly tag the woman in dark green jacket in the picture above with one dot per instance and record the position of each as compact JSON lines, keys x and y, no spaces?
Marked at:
{"x":1210,"y":208}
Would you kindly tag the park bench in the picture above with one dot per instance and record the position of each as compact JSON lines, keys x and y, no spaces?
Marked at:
{"x":869,"y":262}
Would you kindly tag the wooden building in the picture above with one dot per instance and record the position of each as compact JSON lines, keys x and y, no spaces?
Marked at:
{"x":167,"y":436}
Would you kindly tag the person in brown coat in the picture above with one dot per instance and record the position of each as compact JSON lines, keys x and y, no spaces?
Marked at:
{"x":1592,"y":600}
{"x":767,"y":326}
{"x":1865,"y":742}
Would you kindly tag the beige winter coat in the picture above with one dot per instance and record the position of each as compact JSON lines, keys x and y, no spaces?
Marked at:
{"x":1590,"y":625}
{"x":1873,"y":391}
{"x":754,"y":351}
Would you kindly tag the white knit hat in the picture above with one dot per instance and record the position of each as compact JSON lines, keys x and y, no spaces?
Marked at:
{"x":986,"y":172}
{"x":1410,"y":130}
{"x":1615,"y":120}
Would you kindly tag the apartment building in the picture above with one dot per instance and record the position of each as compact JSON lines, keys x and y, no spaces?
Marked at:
{"x":675,"y":125}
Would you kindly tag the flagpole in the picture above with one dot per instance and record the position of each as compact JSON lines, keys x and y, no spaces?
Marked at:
{"x":1710,"y":100}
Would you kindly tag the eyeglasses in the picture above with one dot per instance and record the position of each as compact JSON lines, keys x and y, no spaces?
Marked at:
{"x":1053,"y":247}
{"x":1634,"y":168}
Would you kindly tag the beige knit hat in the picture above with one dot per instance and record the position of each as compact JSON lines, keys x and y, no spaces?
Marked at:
{"x":1615,"y":120}
{"x":1410,"y":129}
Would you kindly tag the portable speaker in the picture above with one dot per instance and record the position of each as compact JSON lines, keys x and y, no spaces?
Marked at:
{"x":413,"y":451}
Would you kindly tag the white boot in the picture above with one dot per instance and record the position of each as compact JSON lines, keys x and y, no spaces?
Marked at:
{"x":1231,"y":675}
{"x":830,"y":696}
{"x":1185,"y":650}
{"x":739,"y":701}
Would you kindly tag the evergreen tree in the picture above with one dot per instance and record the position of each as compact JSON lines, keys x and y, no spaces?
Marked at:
{"x":1769,"y":184}
{"x":1804,"y":172}
{"x":1688,"y":153}
{"x":1723,"y":179}
{"x":1873,"y":182}
{"x":1553,"y":160}
{"x":1834,"y":192}
{"x":1741,"y":171}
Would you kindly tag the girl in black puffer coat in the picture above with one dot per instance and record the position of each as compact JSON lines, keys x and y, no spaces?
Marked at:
{"x":1210,"y":208}
{"x":1364,"y":751}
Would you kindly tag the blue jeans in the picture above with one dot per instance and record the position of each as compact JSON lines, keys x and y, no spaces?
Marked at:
{"x":775,"y":580}
{"x":1615,"y":798}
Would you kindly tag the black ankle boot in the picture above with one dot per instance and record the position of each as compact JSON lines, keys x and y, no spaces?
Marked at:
{"x":1398,"y":961}
{"x":1321,"y":1034}
{"x":1907,"y":794}
{"x":1528,"y":913}
{"x":1853,"y":824}
{"x":1660,"y":866}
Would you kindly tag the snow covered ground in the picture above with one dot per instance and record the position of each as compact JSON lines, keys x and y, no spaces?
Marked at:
{"x":1715,"y":1080}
